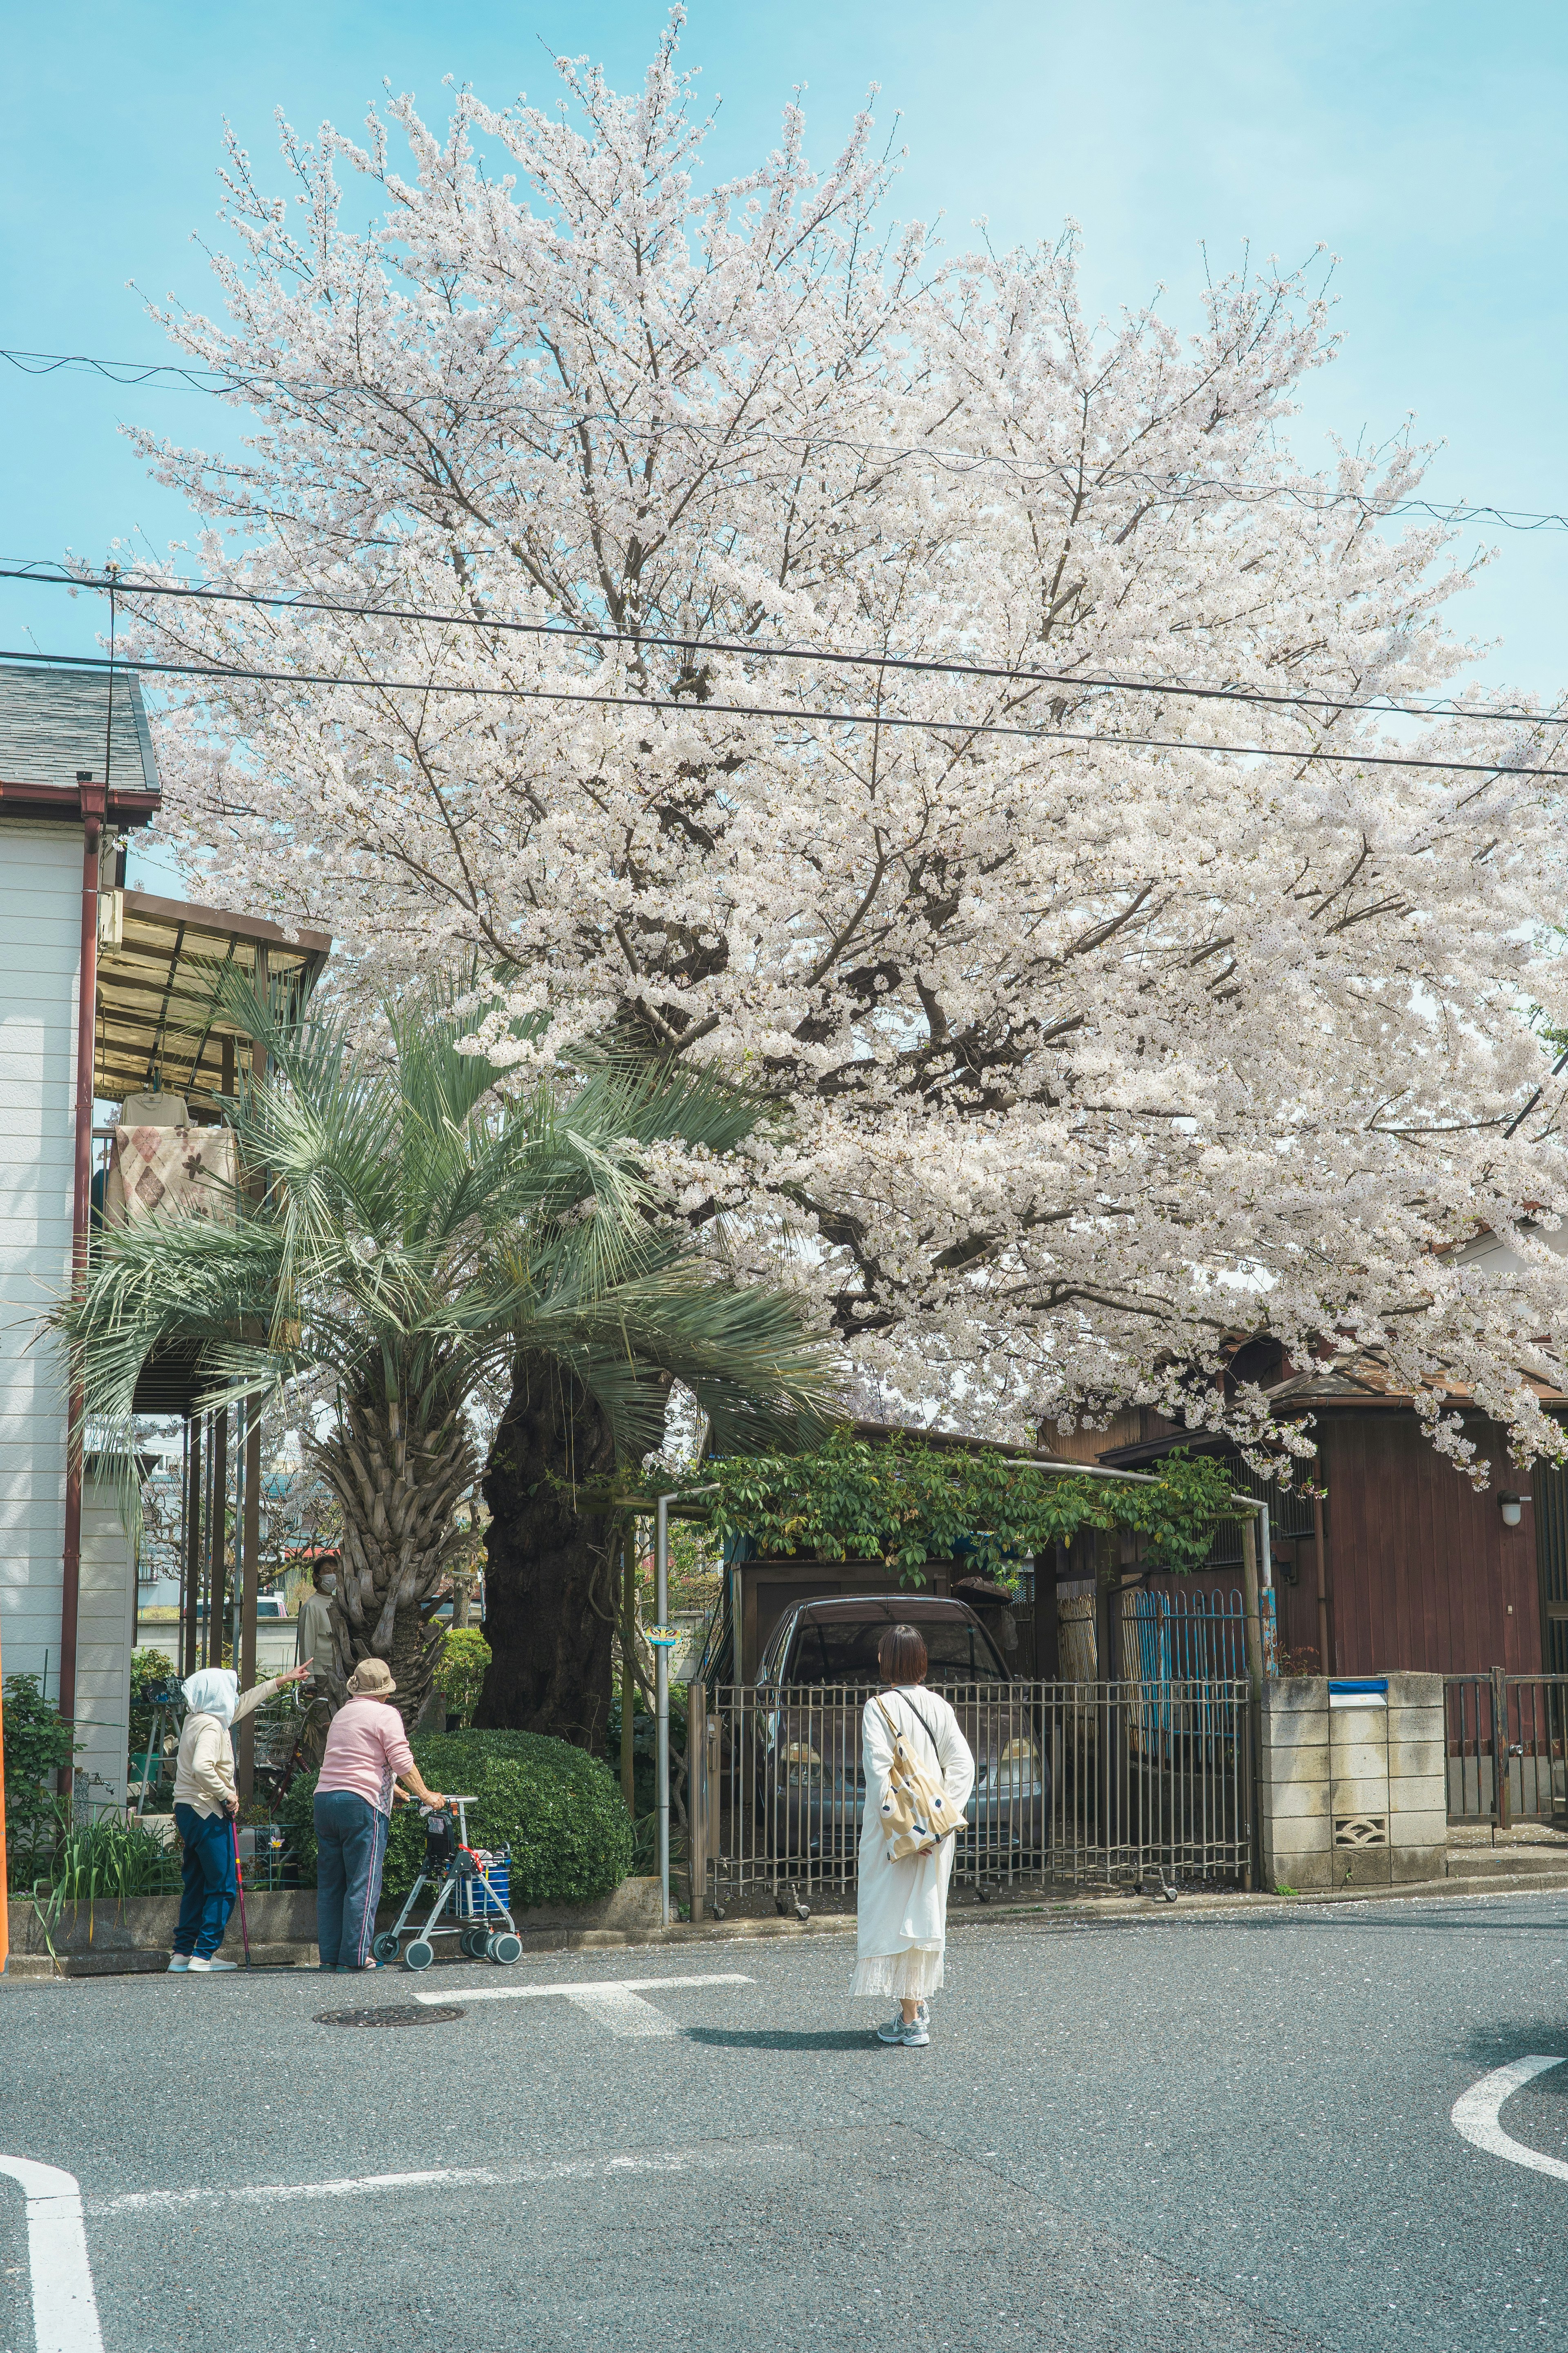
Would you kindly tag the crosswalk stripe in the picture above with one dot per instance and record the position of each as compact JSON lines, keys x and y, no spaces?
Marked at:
{"x":585,"y":1986}
{"x":623,"y":2011}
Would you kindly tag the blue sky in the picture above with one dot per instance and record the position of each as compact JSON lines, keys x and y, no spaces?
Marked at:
{"x":1420,"y":140}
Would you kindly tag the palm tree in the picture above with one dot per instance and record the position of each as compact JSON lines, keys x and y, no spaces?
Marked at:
{"x":405,"y":1230}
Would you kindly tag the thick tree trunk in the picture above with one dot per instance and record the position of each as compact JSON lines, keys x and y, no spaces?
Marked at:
{"x":398,"y":1489}
{"x":549,"y":1602}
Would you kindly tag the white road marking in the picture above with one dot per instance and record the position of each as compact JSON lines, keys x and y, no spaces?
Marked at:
{"x":723,"y":2155}
{"x":1475,"y":2113}
{"x":622,"y":2012}
{"x":65,"y":2309}
{"x":612,"y":2000}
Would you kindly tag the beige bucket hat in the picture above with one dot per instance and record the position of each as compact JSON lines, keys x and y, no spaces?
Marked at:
{"x":371,"y":1679}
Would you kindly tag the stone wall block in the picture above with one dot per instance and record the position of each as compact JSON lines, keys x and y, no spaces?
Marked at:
{"x":1298,"y":1730}
{"x":1300,"y":1871}
{"x":1297,"y":1801}
{"x":1425,"y":1825}
{"x":1359,"y":1760}
{"x":1298,"y":1696}
{"x":1415,"y":1691}
{"x":1287,"y":1765}
{"x":1359,"y":1794}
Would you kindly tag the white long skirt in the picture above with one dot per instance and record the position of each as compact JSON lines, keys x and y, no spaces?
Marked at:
{"x":901,"y":1920}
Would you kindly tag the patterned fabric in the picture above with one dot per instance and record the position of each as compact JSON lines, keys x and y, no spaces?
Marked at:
{"x":158,"y":1170}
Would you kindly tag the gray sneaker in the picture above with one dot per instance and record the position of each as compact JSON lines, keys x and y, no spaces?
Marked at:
{"x":896,"y":2030}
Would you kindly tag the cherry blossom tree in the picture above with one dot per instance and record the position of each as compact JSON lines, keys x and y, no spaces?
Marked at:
{"x":776,"y":645}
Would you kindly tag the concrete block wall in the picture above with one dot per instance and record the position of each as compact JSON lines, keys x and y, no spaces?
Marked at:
{"x":1353,"y":1795}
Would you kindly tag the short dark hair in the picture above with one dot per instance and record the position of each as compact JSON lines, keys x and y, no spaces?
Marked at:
{"x":902,"y":1656}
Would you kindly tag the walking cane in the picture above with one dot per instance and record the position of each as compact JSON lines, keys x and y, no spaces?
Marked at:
{"x":239,"y":1877}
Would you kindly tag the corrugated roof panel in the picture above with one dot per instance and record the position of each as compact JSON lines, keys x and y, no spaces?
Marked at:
{"x":53,"y":724}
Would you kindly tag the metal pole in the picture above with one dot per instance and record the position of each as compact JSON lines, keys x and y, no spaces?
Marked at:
{"x":629,"y":1664}
{"x":1325,"y":1664}
{"x":661,"y":1696}
{"x":661,"y":1671}
{"x":1253,"y":1687}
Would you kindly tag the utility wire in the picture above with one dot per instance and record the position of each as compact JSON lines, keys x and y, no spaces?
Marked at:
{"x":231,"y":673}
{"x":220,"y":381}
{"x":116,"y":582}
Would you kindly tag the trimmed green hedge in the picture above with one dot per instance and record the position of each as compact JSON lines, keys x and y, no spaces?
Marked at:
{"x":558,"y":1809}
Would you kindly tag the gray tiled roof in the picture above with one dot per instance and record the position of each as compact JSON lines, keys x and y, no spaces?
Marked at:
{"x":52,"y":723}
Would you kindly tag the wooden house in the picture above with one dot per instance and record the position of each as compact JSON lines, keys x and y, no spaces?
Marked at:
{"x":1402,"y":1565}
{"x":105,"y":994}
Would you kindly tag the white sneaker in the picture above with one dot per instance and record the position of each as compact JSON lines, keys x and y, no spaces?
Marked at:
{"x":178,"y":1961}
{"x":198,"y":1962}
{"x":914,"y":2034}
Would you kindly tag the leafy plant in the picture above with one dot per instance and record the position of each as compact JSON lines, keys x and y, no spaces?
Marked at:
{"x":906,"y":1503}
{"x":558,"y":1809}
{"x":108,"y":1859}
{"x":418,"y":1227}
{"x":39,"y":1744}
{"x":460,"y":1668}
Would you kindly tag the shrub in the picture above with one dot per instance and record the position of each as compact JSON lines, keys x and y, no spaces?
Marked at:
{"x":557,"y":1808}
{"x":460,"y":1671}
{"x":38,"y":1744}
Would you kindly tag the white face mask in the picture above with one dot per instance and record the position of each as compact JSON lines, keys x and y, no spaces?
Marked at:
{"x":328,"y":1585}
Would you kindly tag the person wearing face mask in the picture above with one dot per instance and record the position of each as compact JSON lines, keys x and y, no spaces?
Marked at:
{"x":313,"y":1632}
{"x":206,"y":1804}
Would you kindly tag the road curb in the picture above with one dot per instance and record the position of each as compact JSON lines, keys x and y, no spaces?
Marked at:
{"x":1101,"y":1910}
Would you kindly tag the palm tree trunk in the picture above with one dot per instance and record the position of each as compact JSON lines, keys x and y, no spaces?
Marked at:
{"x":550,"y":1609}
{"x":398,"y":1488}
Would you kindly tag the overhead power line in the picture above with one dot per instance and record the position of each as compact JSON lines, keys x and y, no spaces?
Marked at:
{"x":674,"y":707}
{"x":246,"y":383}
{"x":123,"y":585}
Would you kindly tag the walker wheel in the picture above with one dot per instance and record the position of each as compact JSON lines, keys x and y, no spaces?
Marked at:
{"x":471,"y":1943}
{"x":504,"y":1948}
{"x":386,"y":1946}
{"x":419,"y":1955}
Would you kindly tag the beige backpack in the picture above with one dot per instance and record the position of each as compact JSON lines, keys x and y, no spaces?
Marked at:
{"x":916,"y":1814}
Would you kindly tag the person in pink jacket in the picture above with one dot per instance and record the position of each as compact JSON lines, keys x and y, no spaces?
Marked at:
{"x":367,"y":1750}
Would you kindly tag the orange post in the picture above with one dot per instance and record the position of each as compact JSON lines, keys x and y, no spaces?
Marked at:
{"x":4,"y":1866}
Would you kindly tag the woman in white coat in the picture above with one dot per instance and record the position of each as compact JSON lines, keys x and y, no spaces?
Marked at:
{"x":902,"y":1905}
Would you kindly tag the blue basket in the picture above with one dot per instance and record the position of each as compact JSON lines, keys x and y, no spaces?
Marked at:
{"x":478,"y":1902}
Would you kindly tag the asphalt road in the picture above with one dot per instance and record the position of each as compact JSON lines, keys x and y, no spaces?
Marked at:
{"x":1199,"y":2133}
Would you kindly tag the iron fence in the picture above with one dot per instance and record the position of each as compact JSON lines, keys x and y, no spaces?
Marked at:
{"x":1080,"y":1784}
{"x":1505,"y":1747}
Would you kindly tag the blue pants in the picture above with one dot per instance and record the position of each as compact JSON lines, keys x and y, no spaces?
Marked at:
{"x":351,"y":1847}
{"x":210,"y":1886}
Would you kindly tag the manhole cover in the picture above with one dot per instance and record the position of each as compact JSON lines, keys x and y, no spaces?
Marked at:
{"x":387,"y":2013}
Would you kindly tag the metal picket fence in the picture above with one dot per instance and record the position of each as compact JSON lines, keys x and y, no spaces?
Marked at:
{"x":1506,"y":1742}
{"x":1080,"y":1784}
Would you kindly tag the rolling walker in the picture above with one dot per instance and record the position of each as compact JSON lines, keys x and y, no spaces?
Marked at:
{"x":475,"y":1886}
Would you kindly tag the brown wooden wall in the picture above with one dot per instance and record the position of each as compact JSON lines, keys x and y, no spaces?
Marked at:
{"x":1423,"y":1575}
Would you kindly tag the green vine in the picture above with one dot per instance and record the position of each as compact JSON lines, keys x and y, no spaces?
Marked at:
{"x":906,"y":1503}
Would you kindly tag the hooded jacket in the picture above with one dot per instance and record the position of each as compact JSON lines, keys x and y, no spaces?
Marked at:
{"x":204,"y":1775}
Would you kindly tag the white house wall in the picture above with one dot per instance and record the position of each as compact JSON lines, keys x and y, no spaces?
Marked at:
{"x":106,"y":1629}
{"x":40,"y":936}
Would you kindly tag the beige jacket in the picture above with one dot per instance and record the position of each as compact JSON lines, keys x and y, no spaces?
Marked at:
{"x":203,"y":1775}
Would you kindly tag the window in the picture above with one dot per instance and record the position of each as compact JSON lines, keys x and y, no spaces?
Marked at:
{"x":843,"y":1650}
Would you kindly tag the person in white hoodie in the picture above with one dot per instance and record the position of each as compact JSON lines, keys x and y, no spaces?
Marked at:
{"x":206,"y":1804}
